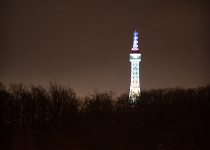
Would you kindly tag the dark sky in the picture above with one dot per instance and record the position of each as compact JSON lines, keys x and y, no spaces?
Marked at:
{"x":86,"y":44}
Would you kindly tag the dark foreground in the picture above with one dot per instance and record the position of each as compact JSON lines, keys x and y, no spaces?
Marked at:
{"x":34,"y":118}
{"x":186,"y":137}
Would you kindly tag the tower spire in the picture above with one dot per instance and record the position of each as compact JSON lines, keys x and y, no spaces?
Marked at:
{"x":135,"y":48}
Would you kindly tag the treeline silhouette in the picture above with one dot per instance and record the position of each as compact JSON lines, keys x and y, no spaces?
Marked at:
{"x":159,"y":119}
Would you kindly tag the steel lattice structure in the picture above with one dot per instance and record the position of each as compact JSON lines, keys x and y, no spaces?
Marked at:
{"x":135,"y":58}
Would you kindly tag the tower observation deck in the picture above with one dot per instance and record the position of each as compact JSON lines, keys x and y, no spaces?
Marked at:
{"x":135,"y":58}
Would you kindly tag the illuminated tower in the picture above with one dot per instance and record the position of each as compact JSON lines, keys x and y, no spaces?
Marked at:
{"x":135,"y":58}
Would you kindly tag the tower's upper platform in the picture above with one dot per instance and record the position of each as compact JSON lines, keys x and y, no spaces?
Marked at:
{"x":135,"y":48}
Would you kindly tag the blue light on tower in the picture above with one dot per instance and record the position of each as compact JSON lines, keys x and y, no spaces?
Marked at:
{"x":135,"y":41}
{"x":135,"y":58}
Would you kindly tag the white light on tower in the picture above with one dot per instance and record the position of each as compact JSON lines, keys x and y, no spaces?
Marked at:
{"x":135,"y":58}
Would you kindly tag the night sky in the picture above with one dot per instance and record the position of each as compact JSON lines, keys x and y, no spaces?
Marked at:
{"x":86,"y":44}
